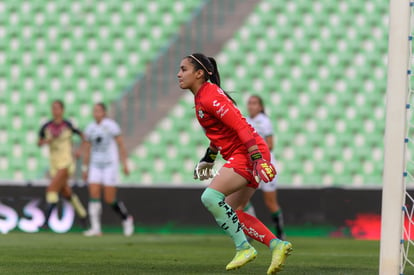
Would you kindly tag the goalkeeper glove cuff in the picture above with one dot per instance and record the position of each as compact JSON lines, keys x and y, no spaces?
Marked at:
{"x":210,"y":156}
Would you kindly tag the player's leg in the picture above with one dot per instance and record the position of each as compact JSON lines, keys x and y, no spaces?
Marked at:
{"x":225,"y":183}
{"x":68,"y":194}
{"x":270,"y":200}
{"x":119,"y":208}
{"x":249,"y":209}
{"x":252,"y":226}
{"x":94,"y":205}
{"x":94,"y":209}
{"x":255,"y":229}
{"x":52,"y":191}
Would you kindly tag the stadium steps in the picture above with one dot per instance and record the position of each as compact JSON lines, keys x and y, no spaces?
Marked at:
{"x":321,"y":69}
{"x":157,"y":92}
{"x":81,"y":52}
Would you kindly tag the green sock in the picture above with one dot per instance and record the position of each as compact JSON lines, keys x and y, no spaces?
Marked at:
{"x":277,"y":213}
{"x":225,"y":217}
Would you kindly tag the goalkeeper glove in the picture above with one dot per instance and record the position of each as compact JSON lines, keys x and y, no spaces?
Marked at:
{"x":262,"y":169}
{"x":204,"y":168}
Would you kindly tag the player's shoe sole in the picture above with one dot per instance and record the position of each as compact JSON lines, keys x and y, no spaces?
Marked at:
{"x":92,"y":233}
{"x":279,"y":254}
{"x":241,"y":258}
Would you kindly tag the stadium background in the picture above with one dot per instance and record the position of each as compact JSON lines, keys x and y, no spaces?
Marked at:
{"x":320,"y":65}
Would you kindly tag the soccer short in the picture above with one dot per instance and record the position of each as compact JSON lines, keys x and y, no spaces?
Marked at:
{"x":270,"y":186}
{"x":56,"y":166}
{"x":107,"y":175}
{"x":241,"y":165}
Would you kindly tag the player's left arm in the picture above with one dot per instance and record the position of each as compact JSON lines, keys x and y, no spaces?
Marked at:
{"x":81,"y":148}
{"x":122,"y":153}
{"x":268,"y":132}
{"x":269,"y":142}
{"x":225,"y":111}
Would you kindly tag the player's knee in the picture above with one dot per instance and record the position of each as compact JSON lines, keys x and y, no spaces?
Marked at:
{"x":109,"y":201}
{"x":205,"y":198}
{"x":211,"y":197}
{"x":52,"y":197}
{"x":269,"y":203}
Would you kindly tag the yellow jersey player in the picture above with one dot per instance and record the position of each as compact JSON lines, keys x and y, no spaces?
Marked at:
{"x":57,"y":134}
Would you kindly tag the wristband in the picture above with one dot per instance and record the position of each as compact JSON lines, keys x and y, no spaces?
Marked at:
{"x":210,"y":155}
{"x":255,"y":155}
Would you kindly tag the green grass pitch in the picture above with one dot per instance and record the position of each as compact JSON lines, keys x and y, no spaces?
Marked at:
{"x":48,"y":253}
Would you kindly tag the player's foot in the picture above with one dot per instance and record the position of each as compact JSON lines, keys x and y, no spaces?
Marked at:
{"x":241,"y":258}
{"x":92,"y":233}
{"x":44,"y":226}
{"x":84,"y":222}
{"x":280,"y":251}
{"x":128,"y":226}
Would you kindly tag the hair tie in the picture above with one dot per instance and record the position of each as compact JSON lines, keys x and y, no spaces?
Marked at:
{"x":202,"y":65}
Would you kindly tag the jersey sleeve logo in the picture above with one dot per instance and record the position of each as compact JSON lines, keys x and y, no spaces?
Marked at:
{"x":200,"y":113}
{"x":216,"y":103}
{"x":222,"y":111}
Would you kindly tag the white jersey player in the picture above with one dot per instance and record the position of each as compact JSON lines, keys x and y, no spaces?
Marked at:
{"x":263,"y":126}
{"x":101,"y":167}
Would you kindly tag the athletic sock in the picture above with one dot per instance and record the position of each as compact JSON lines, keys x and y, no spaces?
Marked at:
{"x":77,"y":204}
{"x":52,"y":199}
{"x":249,"y":209}
{"x":120,"y":209}
{"x":95,"y":210}
{"x":255,"y":228}
{"x":277,"y":218}
{"x":225,"y":217}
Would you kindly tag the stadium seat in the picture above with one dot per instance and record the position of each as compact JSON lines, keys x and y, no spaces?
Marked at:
{"x":316,"y":78}
{"x":70,"y":51}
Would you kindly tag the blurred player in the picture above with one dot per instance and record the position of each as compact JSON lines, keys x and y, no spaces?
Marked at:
{"x":263,"y":126}
{"x":101,"y":168}
{"x":57,"y":133}
{"x":246,"y":154}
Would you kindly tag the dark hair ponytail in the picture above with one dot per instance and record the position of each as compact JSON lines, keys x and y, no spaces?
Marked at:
{"x":209,"y":66}
{"x":215,"y":76}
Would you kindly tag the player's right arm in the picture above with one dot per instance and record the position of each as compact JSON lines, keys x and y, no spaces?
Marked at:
{"x":42,"y":136}
{"x":226,"y":112}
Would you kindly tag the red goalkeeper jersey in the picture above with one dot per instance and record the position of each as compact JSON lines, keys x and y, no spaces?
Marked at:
{"x":223,"y":123}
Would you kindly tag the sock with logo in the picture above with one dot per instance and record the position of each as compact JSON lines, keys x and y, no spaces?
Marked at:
{"x":225,"y":217}
{"x":255,"y":228}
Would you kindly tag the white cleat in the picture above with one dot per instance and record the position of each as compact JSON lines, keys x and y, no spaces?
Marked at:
{"x":92,"y":233}
{"x":128,"y":226}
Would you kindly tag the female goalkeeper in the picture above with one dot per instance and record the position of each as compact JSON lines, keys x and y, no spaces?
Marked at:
{"x":246,"y":154}
{"x":263,"y":126}
{"x":100,"y":167}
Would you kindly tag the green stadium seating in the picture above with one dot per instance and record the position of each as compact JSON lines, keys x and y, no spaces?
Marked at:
{"x":79,"y":51}
{"x":320,"y":66}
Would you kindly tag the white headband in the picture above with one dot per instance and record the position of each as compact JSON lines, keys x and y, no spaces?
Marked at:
{"x":202,"y":65}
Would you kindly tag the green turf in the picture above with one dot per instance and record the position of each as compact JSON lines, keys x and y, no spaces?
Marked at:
{"x":48,"y":253}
